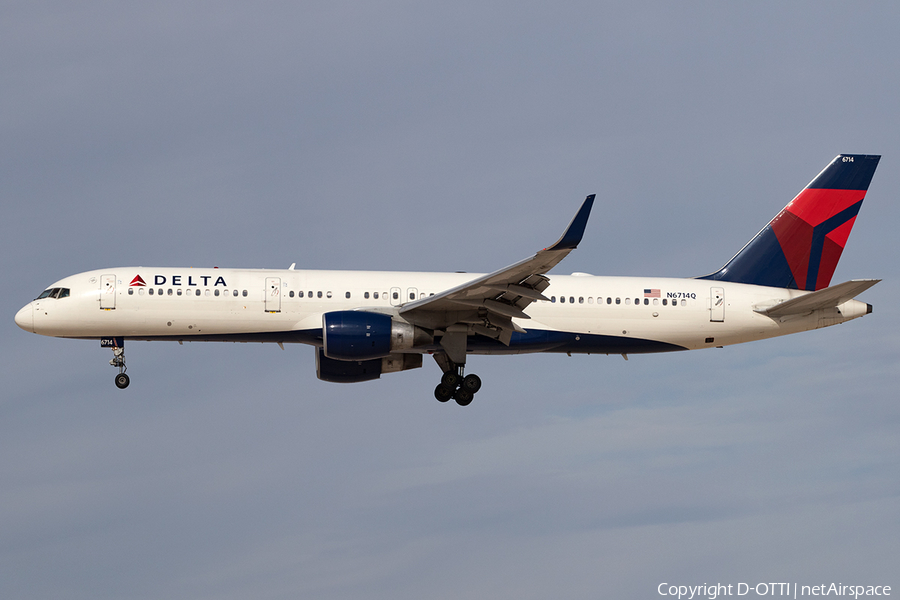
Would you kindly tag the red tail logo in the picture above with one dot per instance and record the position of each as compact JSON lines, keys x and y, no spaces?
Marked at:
{"x":137,"y":281}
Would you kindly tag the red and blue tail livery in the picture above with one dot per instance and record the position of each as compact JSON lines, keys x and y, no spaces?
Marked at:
{"x":800,"y":247}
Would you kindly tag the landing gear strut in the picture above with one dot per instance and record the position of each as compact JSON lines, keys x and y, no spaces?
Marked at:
{"x":122,"y":380}
{"x":454,"y":383}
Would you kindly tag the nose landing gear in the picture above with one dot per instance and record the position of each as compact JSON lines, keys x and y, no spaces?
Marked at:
{"x":122,"y":380}
{"x":118,"y":347}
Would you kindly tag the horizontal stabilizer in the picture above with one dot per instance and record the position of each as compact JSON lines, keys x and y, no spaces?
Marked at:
{"x":826,"y":298}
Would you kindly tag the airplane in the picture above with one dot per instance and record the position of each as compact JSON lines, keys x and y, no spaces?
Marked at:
{"x":366,"y":324}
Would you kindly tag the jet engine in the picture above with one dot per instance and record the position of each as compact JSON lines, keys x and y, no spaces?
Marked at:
{"x":360,"y":345}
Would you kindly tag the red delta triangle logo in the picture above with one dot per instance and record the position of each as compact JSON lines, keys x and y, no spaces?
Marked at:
{"x":137,"y":281}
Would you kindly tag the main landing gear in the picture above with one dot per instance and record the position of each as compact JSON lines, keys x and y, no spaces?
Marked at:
{"x":455,"y":384}
{"x":122,"y":380}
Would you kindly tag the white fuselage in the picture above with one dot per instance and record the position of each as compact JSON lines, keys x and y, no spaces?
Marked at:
{"x":598,"y":314}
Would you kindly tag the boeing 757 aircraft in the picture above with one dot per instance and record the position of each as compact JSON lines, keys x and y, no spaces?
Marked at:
{"x":364,"y":324}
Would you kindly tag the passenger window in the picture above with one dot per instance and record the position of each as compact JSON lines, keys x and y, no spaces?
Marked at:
{"x":300,"y":294}
{"x":328,"y":294}
{"x":412,"y":295}
{"x":665,"y":302}
{"x":375,"y":295}
{"x":150,"y":291}
{"x":396,"y":295}
{"x":609,"y":300}
{"x":179,"y":291}
{"x":291,"y":294}
{"x":366,"y":295}
{"x":628,"y":301}
{"x":618,"y":301}
{"x":347,"y":295}
{"x":684,"y":302}
{"x":656,"y":302}
{"x":140,"y":292}
{"x":553,"y":299}
{"x":562,"y":299}
{"x":244,"y":293}
{"x":169,"y":292}
{"x":580,"y":299}
{"x":235,"y":293}
{"x":197,"y":292}
{"x":319,"y":294}
{"x":572,"y":299}
{"x":646,"y":301}
{"x":590,"y":299}
{"x":131,"y":291}
{"x":216,"y":293}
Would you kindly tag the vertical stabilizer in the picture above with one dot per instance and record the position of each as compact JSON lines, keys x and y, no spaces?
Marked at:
{"x":801,"y":246}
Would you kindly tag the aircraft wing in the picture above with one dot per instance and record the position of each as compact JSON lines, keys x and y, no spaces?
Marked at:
{"x":824,"y":298}
{"x":488,"y":304}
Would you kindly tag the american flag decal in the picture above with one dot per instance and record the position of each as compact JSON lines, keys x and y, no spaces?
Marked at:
{"x":654,"y":293}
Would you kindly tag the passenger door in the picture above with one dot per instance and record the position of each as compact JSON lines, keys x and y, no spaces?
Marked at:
{"x":107,"y":291}
{"x":273,"y":294}
{"x":717,"y":304}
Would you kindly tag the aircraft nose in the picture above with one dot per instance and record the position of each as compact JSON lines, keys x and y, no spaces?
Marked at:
{"x":25,"y":318}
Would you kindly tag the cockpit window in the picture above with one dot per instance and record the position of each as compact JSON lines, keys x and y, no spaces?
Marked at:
{"x":54,"y":293}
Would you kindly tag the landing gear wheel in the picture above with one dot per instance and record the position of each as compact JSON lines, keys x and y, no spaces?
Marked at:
{"x":451,"y":379}
{"x":122,"y":381}
{"x":443,"y":393}
{"x":463,"y":397}
{"x":471,"y":383}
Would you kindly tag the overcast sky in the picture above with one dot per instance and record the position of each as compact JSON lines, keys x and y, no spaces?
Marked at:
{"x":441,"y":136}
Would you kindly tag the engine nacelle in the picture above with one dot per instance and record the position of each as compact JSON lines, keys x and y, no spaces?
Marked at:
{"x":346,"y":371}
{"x":358,"y":335}
{"x":352,"y":371}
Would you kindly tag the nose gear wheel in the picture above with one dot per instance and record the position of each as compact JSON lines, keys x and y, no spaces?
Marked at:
{"x":118,"y":361}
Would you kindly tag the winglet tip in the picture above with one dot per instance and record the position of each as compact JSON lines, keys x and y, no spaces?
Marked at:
{"x":572,"y":237}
